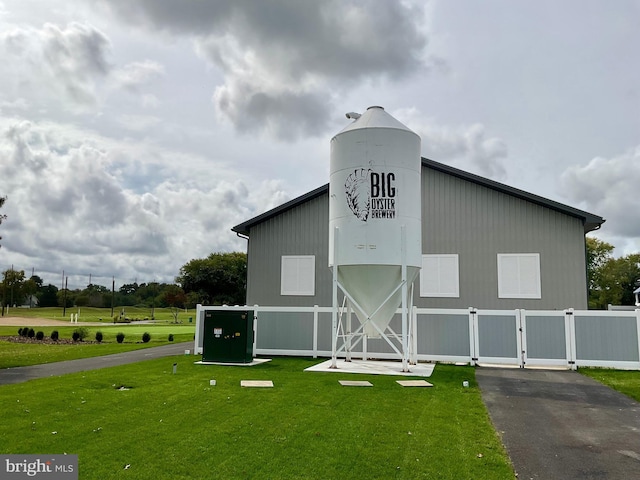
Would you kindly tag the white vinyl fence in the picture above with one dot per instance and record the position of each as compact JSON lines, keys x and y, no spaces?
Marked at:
{"x":523,"y":338}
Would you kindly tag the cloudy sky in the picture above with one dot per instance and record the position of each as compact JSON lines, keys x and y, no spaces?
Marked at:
{"x":135,"y":133}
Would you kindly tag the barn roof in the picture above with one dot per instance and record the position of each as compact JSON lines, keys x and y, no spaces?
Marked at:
{"x":591,"y":222}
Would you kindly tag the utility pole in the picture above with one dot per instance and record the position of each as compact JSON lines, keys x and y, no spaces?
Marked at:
{"x":13,"y":280}
{"x":4,"y":292}
{"x":113,"y":292}
{"x":64,"y":298}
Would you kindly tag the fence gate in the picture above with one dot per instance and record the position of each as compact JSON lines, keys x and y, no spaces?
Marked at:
{"x":523,"y":338}
{"x":546,"y":339}
{"x":497,"y":338}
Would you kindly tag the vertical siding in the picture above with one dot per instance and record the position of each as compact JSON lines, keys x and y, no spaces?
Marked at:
{"x":303,"y":230}
{"x":478,"y":223}
{"x":460,"y":217}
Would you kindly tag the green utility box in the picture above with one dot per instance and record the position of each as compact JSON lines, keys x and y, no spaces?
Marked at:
{"x":228,"y":337}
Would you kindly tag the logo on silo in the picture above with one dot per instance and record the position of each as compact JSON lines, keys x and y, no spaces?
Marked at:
{"x":371,"y":194}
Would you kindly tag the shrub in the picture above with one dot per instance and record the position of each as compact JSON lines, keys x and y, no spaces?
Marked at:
{"x":120,"y":337}
{"x":20,"y":331}
{"x":171,"y":337}
{"x":146,"y":336}
{"x":80,"y":334}
{"x":31,"y":333}
{"x":40,"y":335}
{"x":98,"y":336}
{"x":25,"y":332}
{"x":55,"y":335}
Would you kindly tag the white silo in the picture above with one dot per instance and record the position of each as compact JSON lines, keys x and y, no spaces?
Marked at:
{"x":375,"y":216}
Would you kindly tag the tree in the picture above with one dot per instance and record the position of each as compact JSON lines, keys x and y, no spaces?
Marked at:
{"x":611,"y":280}
{"x":31,"y":288}
{"x":48,"y":296}
{"x":175,"y":298}
{"x":598,"y":254}
{"x":218,"y":279}
{"x":13,"y":287}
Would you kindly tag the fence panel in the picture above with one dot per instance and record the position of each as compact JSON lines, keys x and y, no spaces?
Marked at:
{"x":443,"y":335}
{"x":607,"y":339}
{"x":545,"y":338}
{"x":290,"y":333}
{"x":498,"y":336}
{"x":509,"y":337}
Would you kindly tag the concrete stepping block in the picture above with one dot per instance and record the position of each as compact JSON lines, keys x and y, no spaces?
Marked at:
{"x":355,"y":383}
{"x":414,"y":383}
{"x":256,"y":383}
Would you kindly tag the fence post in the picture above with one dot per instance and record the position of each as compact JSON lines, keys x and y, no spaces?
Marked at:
{"x":255,"y":327}
{"x":474,"y":342}
{"x":570,"y":324}
{"x":638,"y":329}
{"x":315,"y":331}
{"x":414,"y":335}
{"x":522,"y":329}
{"x":197,"y":340}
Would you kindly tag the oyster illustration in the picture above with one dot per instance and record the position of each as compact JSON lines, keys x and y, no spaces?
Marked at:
{"x":357,"y":190}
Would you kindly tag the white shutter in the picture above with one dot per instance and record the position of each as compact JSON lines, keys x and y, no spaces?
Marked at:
{"x":298,"y":275}
{"x":439,"y":276}
{"x":519,"y":275}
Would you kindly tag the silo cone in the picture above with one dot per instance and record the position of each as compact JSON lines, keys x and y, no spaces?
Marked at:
{"x":370,"y":287}
{"x":375,"y":213}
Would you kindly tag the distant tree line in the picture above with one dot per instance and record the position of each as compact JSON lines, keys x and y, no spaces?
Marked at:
{"x":218,"y":279}
{"x":611,"y":280}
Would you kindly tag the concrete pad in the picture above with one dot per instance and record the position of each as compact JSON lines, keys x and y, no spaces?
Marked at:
{"x":374,"y":367}
{"x":256,"y":361}
{"x":355,"y":383}
{"x":414,"y":383}
{"x":256,"y":383}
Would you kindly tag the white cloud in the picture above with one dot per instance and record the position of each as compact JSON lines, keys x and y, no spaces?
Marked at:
{"x":135,"y":75}
{"x":284,"y":62}
{"x":609,"y":187}
{"x":464,"y":146}
{"x":51,"y":62}
{"x":70,"y":207}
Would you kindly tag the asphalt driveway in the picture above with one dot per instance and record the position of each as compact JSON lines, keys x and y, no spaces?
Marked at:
{"x":23,"y":374}
{"x":562,"y":425}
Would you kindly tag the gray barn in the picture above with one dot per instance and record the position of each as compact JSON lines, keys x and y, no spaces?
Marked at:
{"x":484,"y":245}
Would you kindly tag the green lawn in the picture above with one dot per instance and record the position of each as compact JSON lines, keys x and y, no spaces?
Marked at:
{"x":20,"y":354}
{"x":624,"y":381}
{"x":91,"y":314}
{"x":307,"y":427}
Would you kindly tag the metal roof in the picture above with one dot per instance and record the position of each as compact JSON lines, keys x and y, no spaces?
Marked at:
{"x":591,"y":222}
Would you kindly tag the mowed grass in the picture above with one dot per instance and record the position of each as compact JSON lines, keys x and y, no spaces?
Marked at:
{"x":624,"y":381}
{"x":307,"y":427}
{"x":23,"y":354}
{"x":92,"y":314}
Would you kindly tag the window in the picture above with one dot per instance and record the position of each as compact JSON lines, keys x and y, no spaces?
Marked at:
{"x":298,"y":275}
{"x":519,"y":275}
{"x":439,"y":276}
